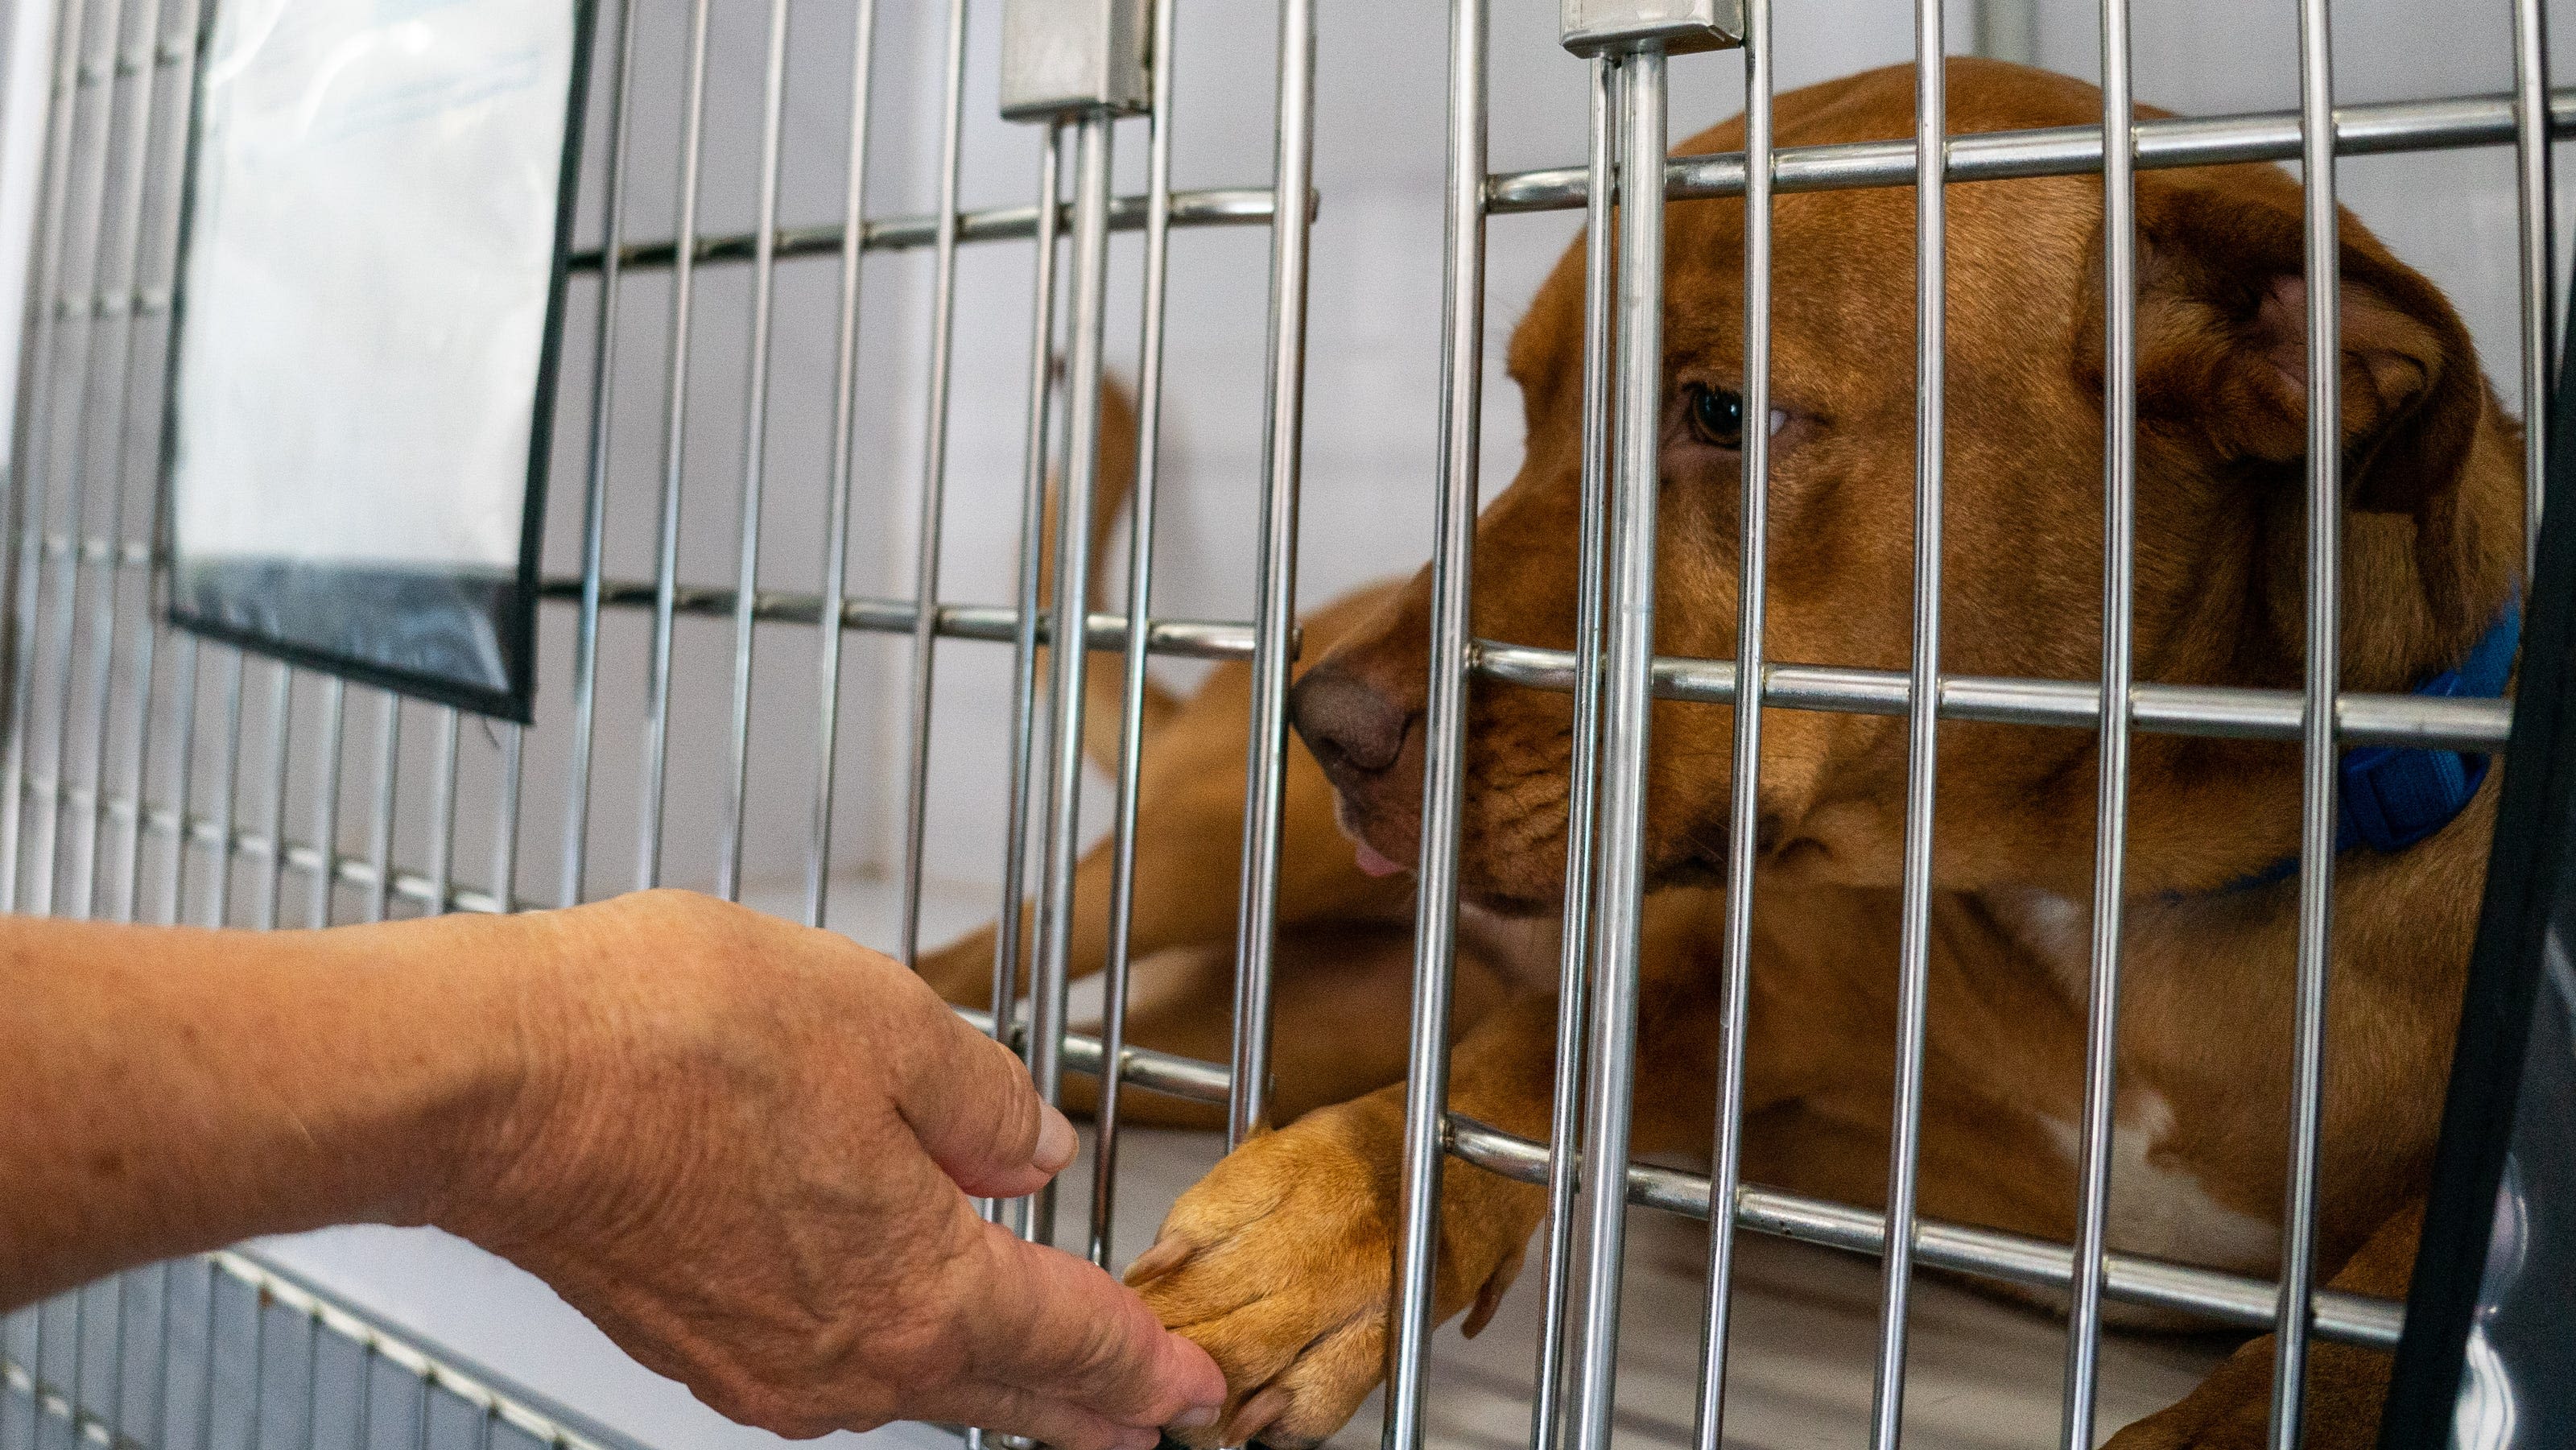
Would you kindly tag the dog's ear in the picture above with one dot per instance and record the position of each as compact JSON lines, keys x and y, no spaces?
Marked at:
{"x":2222,"y":344}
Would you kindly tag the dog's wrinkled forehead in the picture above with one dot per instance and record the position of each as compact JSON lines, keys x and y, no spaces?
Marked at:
{"x":1844,"y":261}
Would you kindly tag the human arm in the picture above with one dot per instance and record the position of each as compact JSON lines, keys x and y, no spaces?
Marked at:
{"x":741,"y":1147}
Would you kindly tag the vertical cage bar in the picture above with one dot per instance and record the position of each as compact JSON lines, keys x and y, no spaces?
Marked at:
{"x":836,"y":524}
{"x":147,"y":696}
{"x":82,"y":382}
{"x":675,"y":439}
{"x":1626,"y":740}
{"x":31,"y":501}
{"x":110,"y":602}
{"x":442,"y":814}
{"x":281,"y":705}
{"x":380,"y":849}
{"x":2320,"y":759}
{"x":1744,"y":814}
{"x":326,"y":807}
{"x":1444,"y":753}
{"x":2536,"y":198}
{"x":191,"y":668}
{"x":755,"y":448}
{"x":594,"y":509}
{"x":1140,"y":602}
{"x":1931,"y":143}
{"x":219,"y":907}
{"x":2119,"y":638}
{"x":206,"y":1368}
{"x":934,"y":488}
{"x":145,"y":646}
{"x":511,"y":791}
{"x":1010,"y":943}
{"x":1582,"y":812}
{"x":1071,"y":658}
{"x":1275,"y":611}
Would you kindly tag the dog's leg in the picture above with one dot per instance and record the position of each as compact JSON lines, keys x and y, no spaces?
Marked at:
{"x":2231,"y":1410}
{"x":1338,"y":1015}
{"x":1279,"y":1262}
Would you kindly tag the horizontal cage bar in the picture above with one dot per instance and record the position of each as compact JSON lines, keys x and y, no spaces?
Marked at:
{"x":1241,"y":206}
{"x":2217,"y":711}
{"x":2371,"y":130}
{"x":1987,"y":1253}
{"x":2231,"y":1299}
{"x":991,"y":623}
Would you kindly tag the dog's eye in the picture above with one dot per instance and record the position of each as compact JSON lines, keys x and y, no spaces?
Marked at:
{"x":1717,"y":416}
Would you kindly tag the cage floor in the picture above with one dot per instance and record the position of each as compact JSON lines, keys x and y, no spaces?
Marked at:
{"x":1985,"y":1374}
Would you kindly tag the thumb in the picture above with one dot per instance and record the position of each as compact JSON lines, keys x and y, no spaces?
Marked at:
{"x":970,"y":1104}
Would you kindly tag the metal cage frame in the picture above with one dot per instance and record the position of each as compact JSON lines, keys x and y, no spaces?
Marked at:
{"x":90,"y":716}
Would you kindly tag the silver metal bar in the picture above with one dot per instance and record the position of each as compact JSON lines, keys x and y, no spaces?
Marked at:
{"x":29,"y":498}
{"x":2214,"y":711}
{"x":228,"y":788}
{"x":1075,"y":500}
{"x":836,"y":522}
{"x":1217,"y":207}
{"x":2536,"y":199}
{"x":1627,"y":735}
{"x":755,"y":449}
{"x":986,"y":623}
{"x":479,"y":1390}
{"x":2320,"y":761}
{"x":1275,"y":613}
{"x":380,"y":851}
{"x":675,"y":435}
{"x":934,"y":486}
{"x":2225,"y":1299}
{"x":1143,"y":495}
{"x":1744,"y":815}
{"x":1582,"y":808}
{"x":1444,"y":751}
{"x":2368,"y":130}
{"x":326,"y":808}
{"x":2119,"y":671}
{"x":147,"y":696}
{"x":442,"y":812}
{"x":251,"y":1423}
{"x":281,"y":706}
{"x":1030,"y":623}
{"x":1914,"y":950}
{"x":108,"y":606}
{"x":191,"y":656}
{"x":306,"y":858}
{"x":505,"y":812}
{"x":79,"y":378}
{"x":594,"y":513}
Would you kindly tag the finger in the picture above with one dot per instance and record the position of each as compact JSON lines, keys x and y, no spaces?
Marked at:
{"x":1064,"y":1329}
{"x":1015,"y":1411}
{"x":970,"y":1103}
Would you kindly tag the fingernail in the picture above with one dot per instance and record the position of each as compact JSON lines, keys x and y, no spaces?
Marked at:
{"x":1199,"y":1418}
{"x":1057,"y":1141}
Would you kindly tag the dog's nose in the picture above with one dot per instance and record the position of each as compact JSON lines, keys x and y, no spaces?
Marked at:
{"x":1353,"y":729}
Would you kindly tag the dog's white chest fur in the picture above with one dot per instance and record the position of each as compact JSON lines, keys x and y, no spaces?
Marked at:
{"x":2158,"y":1205}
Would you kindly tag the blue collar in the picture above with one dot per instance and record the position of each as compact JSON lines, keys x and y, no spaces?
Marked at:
{"x":2390,"y":796}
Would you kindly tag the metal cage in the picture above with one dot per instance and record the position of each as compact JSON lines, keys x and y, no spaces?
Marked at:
{"x":151,"y":777}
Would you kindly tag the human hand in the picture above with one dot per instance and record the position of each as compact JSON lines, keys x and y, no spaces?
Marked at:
{"x":744,"y":1149}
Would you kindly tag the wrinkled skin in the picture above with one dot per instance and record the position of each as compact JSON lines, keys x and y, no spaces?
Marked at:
{"x":1279,"y":1262}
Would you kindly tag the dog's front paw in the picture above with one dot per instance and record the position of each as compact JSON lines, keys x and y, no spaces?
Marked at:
{"x":2232,"y":1409}
{"x":1278,"y":1265}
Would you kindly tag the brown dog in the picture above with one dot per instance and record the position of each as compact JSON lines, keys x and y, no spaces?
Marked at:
{"x":1279,"y":1262}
